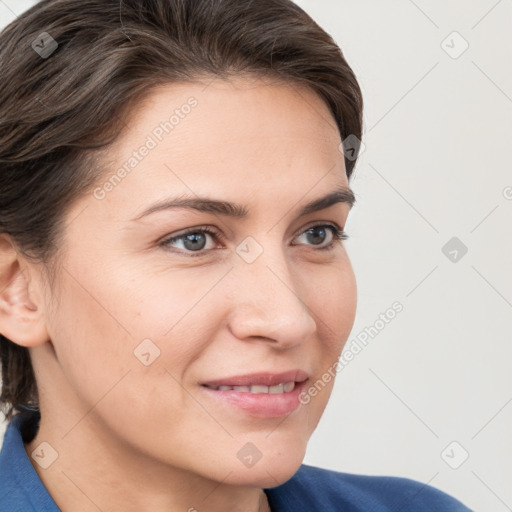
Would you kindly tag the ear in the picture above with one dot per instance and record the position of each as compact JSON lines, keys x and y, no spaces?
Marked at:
{"x":22,"y":319}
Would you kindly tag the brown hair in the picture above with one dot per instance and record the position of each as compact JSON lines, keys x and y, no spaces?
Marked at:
{"x":71,"y":69}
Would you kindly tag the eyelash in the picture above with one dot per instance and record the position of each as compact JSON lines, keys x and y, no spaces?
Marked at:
{"x":337,"y":232}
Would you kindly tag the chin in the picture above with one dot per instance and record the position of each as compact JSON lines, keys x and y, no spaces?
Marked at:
{"x":274,"y":468}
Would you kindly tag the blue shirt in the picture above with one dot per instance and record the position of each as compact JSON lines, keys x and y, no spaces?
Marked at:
{"x":311,"y":489}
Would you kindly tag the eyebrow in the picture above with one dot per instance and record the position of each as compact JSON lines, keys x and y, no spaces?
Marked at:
{"x":342,"y":195}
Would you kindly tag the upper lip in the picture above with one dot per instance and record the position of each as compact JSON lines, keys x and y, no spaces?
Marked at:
{"x":261,"y":378}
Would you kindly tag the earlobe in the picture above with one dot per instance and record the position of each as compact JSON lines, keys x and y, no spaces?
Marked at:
{"x":21,"y":309}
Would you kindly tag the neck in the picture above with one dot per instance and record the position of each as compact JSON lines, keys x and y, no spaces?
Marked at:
{"x":94,"y":471}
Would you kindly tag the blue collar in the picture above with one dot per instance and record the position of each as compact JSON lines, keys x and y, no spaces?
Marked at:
{"x":21,"y":488}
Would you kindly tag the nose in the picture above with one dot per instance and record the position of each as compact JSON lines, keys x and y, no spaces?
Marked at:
{"x":268,"y":303}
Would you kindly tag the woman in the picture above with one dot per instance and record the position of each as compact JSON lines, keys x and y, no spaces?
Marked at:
{"x":173,"y":278}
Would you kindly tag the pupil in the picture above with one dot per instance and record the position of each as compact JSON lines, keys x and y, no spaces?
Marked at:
{"x":317,"y":229}
{"x":193,"y":238}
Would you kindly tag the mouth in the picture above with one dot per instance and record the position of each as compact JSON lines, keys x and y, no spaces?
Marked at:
{"x":261,"y":380}
{"x":286,"y":387}
{"x":262,"y":395}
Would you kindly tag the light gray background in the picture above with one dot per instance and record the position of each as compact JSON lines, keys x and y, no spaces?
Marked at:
{"x":437,"y":164}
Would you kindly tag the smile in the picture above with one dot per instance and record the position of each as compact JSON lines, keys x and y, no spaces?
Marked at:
{"x":257,"y":388}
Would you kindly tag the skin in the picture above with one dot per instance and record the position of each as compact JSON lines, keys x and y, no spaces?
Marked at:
{"x":133,"y":437}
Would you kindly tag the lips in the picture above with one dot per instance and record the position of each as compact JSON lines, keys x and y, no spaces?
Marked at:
{"x":258,"y":388}
{"x":260,"y":381}
{"x":261,"y":395}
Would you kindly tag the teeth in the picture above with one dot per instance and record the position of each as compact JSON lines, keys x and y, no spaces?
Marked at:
{"x":241,"y":388}
{"x":289,"y":386}
{"x":279,"y":388}
{"x":258,"y":388}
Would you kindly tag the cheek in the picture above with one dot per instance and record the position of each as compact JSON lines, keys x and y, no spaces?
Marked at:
{"x":107,"y":329}
{"x":92,"y":348}
{"x":335,"y":309}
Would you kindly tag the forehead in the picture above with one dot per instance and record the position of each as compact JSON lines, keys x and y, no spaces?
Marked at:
{"x":238,"y":111}
{"x":238,"y":137}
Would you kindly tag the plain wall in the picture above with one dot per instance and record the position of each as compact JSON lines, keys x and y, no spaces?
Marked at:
{"x":433,"y":384}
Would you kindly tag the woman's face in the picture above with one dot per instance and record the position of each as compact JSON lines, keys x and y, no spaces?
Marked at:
{"x":146,"y":316}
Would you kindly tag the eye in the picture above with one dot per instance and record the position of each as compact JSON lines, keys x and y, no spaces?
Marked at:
{"x":195,"y":240}
{"x":316,"y":235}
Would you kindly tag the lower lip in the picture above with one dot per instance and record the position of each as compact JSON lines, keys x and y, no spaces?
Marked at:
{"x":261,"y":405}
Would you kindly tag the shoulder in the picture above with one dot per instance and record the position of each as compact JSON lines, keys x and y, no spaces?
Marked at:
{"x":311,"y":488}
